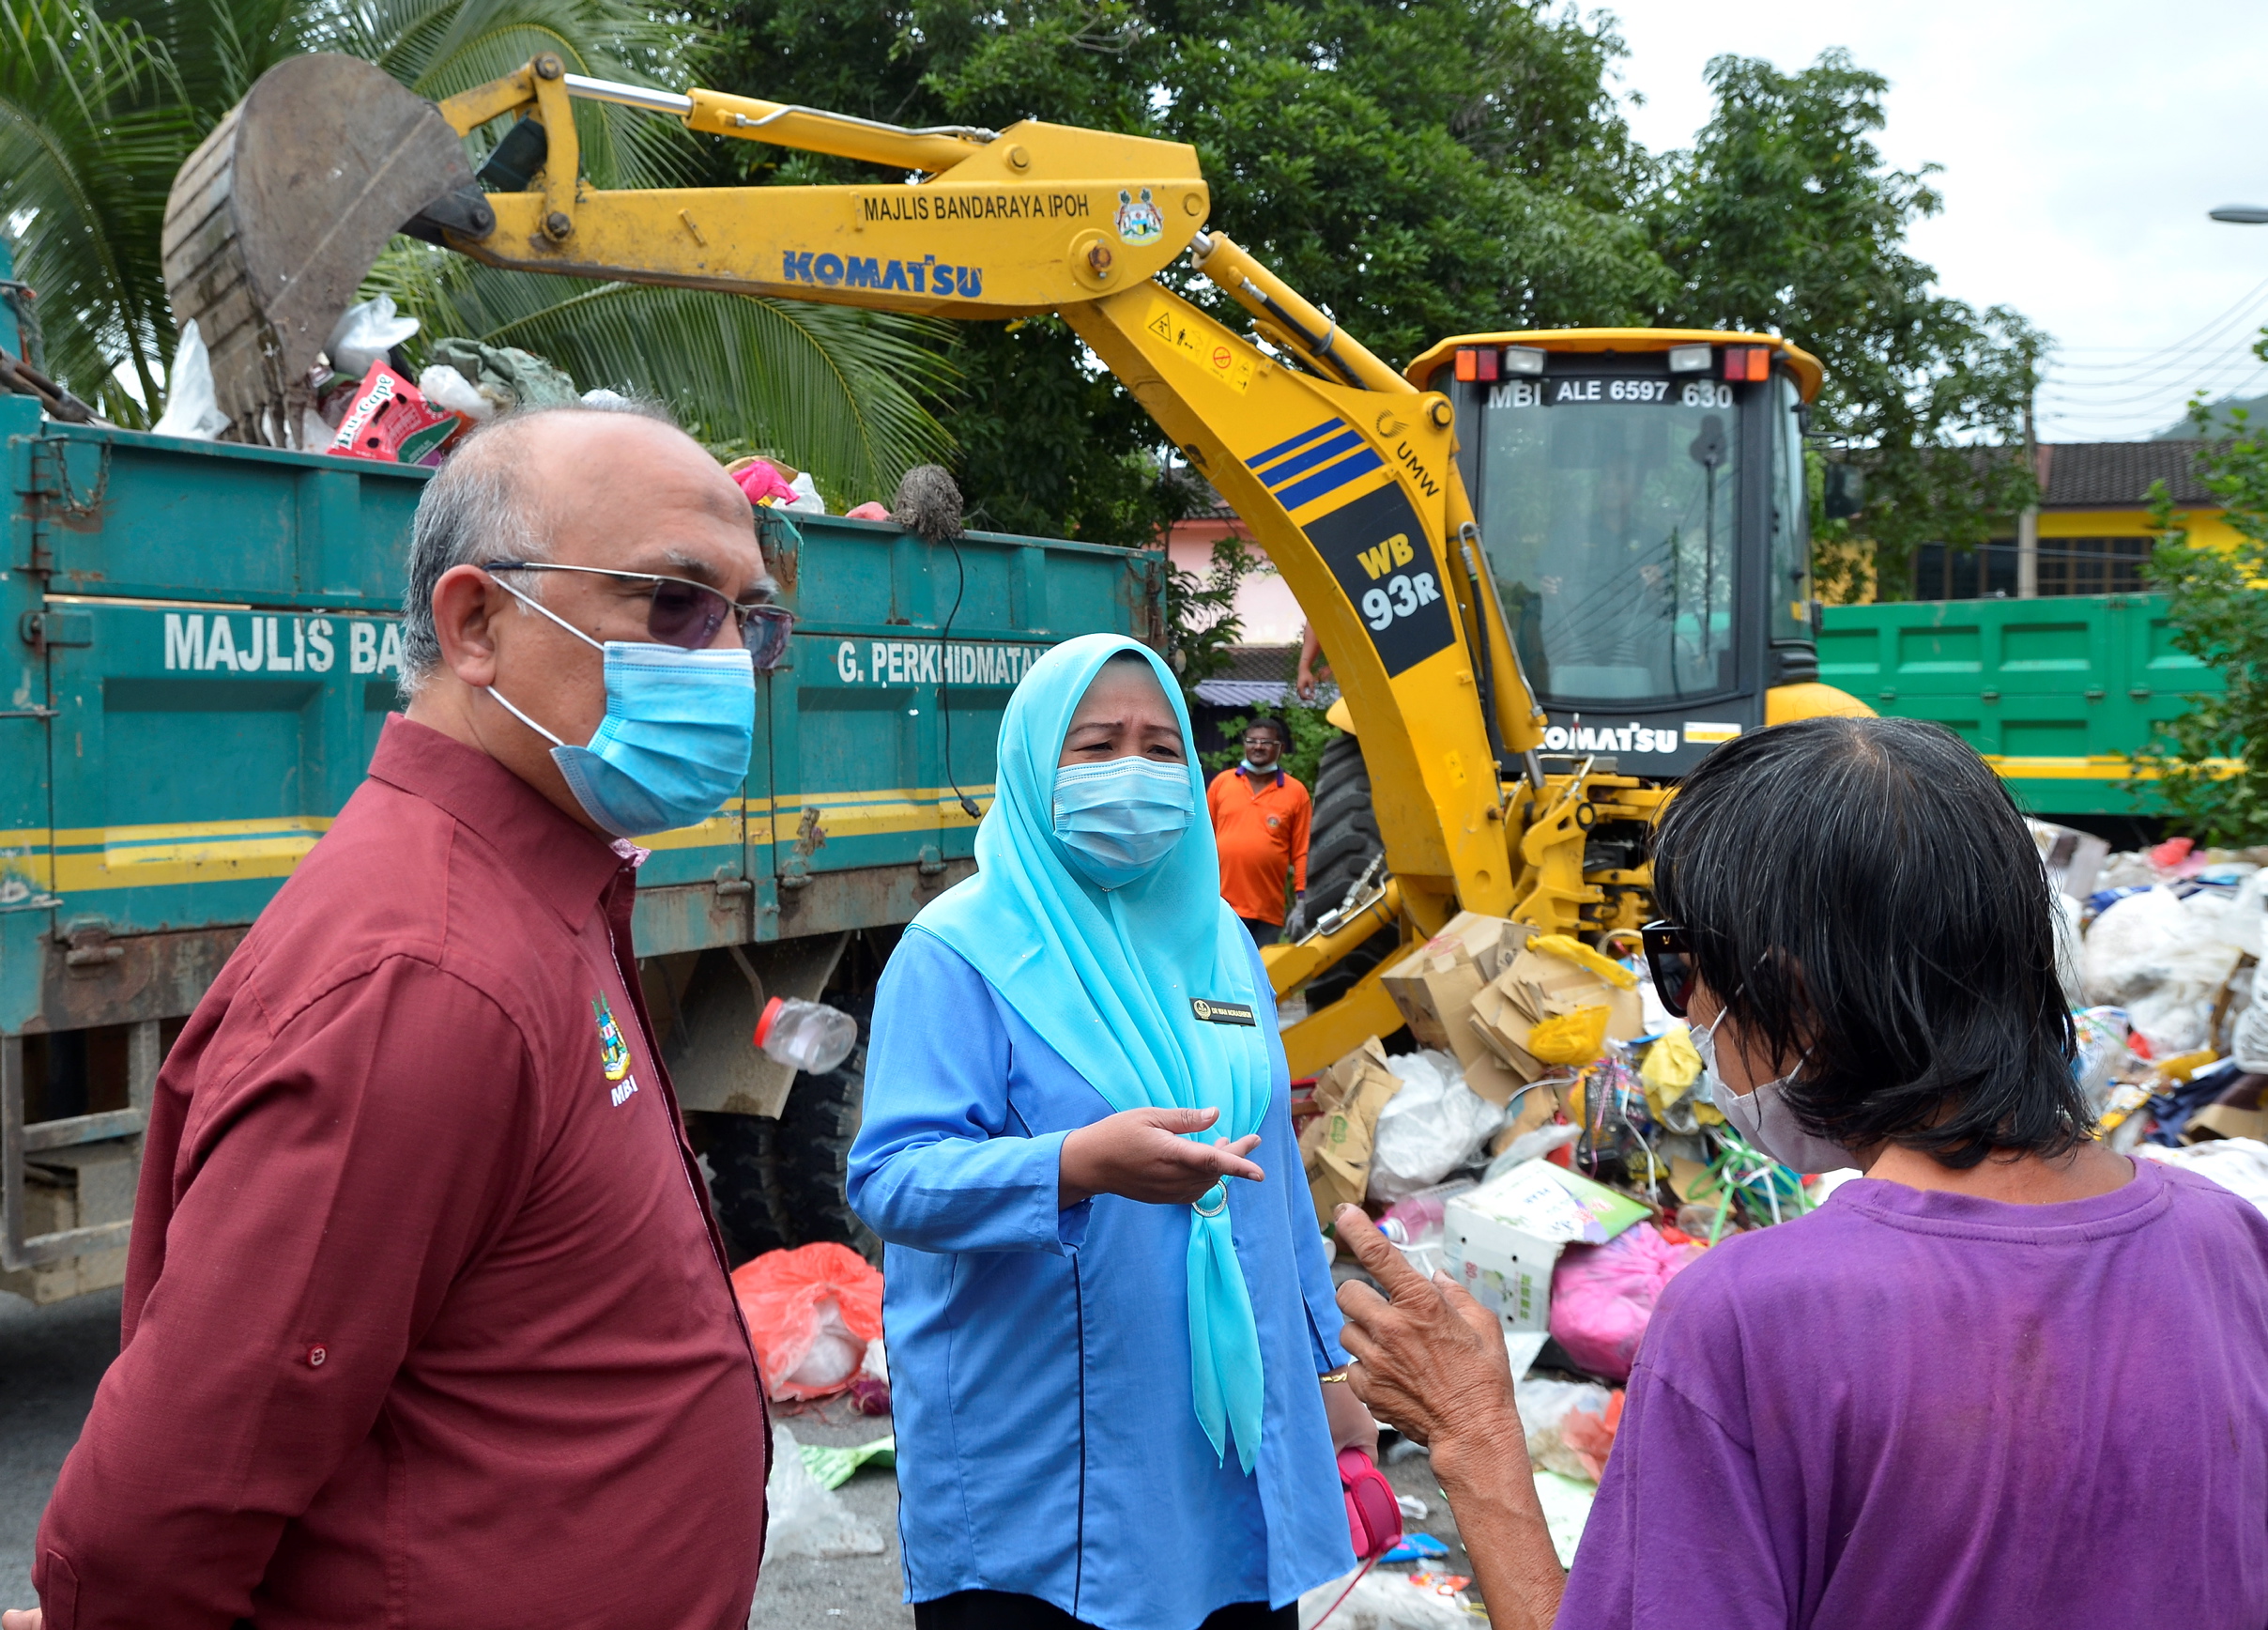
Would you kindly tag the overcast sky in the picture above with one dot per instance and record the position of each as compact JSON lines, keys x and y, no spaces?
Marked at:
{"x":2082,"y":143}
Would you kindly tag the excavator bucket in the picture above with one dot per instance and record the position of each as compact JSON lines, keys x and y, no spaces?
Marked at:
{"x":274,"y":221}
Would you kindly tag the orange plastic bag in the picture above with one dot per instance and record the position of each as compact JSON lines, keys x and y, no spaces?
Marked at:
{"x":811,"y":1312}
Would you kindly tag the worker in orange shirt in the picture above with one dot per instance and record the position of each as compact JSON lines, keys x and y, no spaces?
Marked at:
{"x":1260,"y":826}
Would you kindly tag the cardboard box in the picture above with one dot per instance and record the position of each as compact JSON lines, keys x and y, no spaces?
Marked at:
{"x":1335,"y":1146}
{"x":1432,"y":988}
{"x":1492,"y":942}
{"x":1502,"y":1240}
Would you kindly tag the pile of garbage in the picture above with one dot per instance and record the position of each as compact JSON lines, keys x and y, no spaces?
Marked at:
{"x":1552,"y":1143}
{"x":2164,"y":946}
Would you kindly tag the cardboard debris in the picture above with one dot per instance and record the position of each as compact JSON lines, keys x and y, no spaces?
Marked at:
{"x":1501,"y":1240}
{"x":1435,"y":986}
{"x":1336,"y":1145}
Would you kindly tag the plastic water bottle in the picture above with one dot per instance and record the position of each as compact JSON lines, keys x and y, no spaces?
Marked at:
{"x":806,"y":1036}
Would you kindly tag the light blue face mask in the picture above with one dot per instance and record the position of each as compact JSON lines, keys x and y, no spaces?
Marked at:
{"x":1119,"y":818}
{"x":675,"y":742}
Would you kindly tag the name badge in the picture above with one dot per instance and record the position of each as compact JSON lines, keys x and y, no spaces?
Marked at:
{"x":1211,"y":1013}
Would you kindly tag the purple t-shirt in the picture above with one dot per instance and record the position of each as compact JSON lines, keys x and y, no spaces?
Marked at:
{"x":1925,"y":1410}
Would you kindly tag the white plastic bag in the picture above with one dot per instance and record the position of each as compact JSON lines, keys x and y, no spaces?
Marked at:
{"x":806,"y":498}
{"x":833,"y":1356}
{"x":191,"y":408}
{"x":1380,"y":1601}
{"x":805,"y":1519}
{"x":365,"y":333}
{"x":1429,"y":1128}
{"x":444,"y":387}
{"x":2162,"y":959}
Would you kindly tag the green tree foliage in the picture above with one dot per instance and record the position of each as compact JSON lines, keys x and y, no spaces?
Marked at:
{"x":92,"y":128}
{"x":2220,"y":616}
{"x":1783,"y":217}
{"x":1417,"y":169}
{"x":100,"y":103}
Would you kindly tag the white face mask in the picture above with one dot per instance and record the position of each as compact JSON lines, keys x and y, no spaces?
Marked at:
{"x":1762,"y":1117}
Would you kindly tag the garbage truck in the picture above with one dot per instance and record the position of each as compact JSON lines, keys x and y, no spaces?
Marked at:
{"x":202,"y":644}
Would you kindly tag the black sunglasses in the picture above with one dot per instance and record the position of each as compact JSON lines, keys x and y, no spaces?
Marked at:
{"x":1670,"y":961}
{"x":687,"y":614}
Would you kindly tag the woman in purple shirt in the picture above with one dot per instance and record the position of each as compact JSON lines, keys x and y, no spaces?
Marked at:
{"x":2008,"y":1378}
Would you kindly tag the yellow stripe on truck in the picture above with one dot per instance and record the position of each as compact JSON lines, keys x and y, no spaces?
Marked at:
{"x":105,"y":858}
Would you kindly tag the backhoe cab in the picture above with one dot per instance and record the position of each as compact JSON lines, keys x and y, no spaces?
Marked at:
{"x":1640,"y":494}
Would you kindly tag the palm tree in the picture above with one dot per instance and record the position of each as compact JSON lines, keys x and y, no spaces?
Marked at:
{"x":99,"y":105}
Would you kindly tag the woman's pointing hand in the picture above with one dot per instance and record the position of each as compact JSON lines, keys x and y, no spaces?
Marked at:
{"x":1143,"y":1155}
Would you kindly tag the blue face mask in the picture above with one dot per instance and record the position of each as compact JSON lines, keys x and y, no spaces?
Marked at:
{"x":675,"y":742}
{"x":1119,"y":818}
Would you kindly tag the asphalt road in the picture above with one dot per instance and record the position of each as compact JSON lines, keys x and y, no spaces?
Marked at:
{"x":51,"y":1358}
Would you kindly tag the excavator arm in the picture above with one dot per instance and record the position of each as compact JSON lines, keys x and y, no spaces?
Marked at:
{"x":1342,"y":468}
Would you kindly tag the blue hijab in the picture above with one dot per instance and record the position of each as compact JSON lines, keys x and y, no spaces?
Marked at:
{"x":1107,"y":978}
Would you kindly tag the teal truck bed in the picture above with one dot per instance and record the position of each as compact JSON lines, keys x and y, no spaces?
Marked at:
{"x":2056,"y":693}
{"x":202,"y":646}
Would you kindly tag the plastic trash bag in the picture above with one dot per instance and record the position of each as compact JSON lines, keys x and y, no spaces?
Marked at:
{"x":1603,"y":1295}
{"x":365,"y":335}
{"x":1379,"y":1600}
{"x":508,"y":377}
{"x":191,"y":408}
{"x":811,"y":1312}
{"x":444,"y":387}
{"x":2162,"y":959}
{"x":804,"y":496}
{"x":803,"y":1519}
{"x":1429,"y":1128}
{"x":1589,"y":1434}
{"x":834,"y":1465}
{"x":1544,"y":1407}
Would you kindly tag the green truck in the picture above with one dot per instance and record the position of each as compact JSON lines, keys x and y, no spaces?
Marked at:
{"x":201,"y":645}
{"x":2056,"y":693}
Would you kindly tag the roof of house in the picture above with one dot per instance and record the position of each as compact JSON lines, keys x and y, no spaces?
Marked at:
{"x":2118,"y":474}
{"x":1257,"y":676}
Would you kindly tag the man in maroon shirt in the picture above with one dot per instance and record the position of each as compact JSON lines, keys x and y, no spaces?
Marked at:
{"x":425,"y":1320}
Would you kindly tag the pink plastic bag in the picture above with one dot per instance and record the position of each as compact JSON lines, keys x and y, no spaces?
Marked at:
{"x":811,"y":1312}
{"x":1604,"y":1294}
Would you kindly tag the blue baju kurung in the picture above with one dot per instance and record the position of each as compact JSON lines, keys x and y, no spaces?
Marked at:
{"x":1039,"y":1358}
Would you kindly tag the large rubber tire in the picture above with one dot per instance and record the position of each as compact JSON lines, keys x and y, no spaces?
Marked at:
{"x":743,"y":1156}
{"x":779,"y":1183}
{"x":817,"y":1130}
{"x":1343,"y":840}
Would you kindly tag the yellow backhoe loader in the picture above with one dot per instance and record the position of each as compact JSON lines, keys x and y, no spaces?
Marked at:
{"x":1550,"y":569}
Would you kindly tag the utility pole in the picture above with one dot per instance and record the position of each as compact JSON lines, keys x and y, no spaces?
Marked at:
{"x":2028,"y":522}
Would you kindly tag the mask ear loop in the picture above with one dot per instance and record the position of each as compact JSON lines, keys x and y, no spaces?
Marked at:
{"x":516,"y":714}
{"x":534,"y":605}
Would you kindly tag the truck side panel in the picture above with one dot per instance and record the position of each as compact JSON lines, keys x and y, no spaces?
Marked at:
{"x":2056,"y":693}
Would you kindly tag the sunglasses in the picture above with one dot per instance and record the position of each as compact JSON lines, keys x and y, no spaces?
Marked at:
{"x":687,"y":614}
{"x":1670,"y":961}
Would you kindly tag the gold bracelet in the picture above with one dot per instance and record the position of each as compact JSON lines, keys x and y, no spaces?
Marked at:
{"x":1334,"y":1375}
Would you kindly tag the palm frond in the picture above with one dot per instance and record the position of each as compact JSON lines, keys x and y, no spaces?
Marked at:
{"x":841,"y":393}
{"x":91,"y":132}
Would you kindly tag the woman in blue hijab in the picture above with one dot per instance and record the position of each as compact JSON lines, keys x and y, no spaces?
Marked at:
{"x":1110,"y":1322}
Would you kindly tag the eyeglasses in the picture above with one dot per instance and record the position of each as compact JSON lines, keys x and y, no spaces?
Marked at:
{"x":687,"y":614}
{"x":1670,"y":961}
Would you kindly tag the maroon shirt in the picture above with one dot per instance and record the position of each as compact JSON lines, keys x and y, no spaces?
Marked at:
{"x":425,"y":1320}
